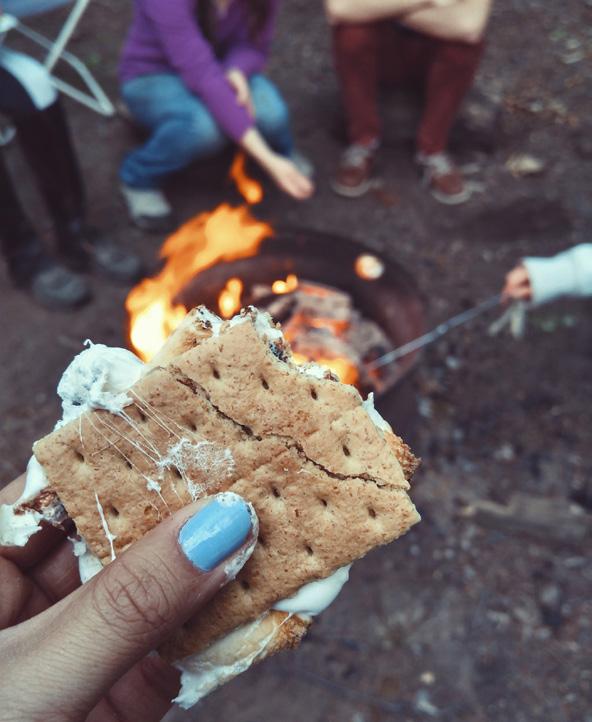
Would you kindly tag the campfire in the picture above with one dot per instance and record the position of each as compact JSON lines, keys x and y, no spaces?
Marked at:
{"x":224,"y":234}
{"x":339,"y":306}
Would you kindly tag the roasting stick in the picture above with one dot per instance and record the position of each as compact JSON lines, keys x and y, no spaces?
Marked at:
{"x":440,"y":330}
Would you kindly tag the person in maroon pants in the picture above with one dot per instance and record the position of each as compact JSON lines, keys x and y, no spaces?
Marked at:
{"x":432,"y":44}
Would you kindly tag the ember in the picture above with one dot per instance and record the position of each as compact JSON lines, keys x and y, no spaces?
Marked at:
{"x":369,"y":266}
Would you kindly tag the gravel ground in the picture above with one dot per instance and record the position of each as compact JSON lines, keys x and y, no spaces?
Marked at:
{"x":458,"y":621}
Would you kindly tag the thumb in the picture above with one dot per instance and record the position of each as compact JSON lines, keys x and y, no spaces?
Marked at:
{"x":137,"y":601}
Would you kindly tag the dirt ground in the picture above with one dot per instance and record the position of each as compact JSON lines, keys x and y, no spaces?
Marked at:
{"x":459,"y":621}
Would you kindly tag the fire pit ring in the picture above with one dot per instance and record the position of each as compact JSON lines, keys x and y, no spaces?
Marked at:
{"x":381,"y":289}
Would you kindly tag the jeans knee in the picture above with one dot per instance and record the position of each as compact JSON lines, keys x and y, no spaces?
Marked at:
{"x":195,"y":135}
{"x":271,"y":112}
{"x":273,"y":119}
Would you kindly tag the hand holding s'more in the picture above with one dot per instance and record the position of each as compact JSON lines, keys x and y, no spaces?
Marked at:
{"x":191,"y":515}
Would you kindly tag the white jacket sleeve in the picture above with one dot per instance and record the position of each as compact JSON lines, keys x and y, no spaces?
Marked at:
{"x":566,"y":274}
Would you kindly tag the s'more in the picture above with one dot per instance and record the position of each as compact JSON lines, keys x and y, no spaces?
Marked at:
{"x":223,"y":408}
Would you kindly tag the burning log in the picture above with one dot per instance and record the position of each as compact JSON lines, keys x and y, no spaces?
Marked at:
{"x":322,"y":324}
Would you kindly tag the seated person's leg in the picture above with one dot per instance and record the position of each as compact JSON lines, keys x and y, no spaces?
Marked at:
{"x":272,"y":117}
{"x":271,"y":114}
{"x":182,"y":130}
{"x":449,"y":76}
{"x":356,"y":51}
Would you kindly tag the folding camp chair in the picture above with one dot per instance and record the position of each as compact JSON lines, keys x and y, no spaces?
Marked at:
{"x":95,"y":99}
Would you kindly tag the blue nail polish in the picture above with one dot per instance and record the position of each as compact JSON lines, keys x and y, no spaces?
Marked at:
{"x":216,"y":531}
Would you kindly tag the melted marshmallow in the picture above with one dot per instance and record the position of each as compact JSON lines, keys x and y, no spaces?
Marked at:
{"x":88,"y":563}
{"x":377,"y":419}
{"x":203,"y":672}
{"x":215,"y":462}
{"x":98,"y":378}
{"x":17,"y":528}
{"x":110,"y":537}
{"x":35,"y":480}
{"x":261,"y":320}
{"x":210,"y":320}
{"x":316,"y":371}
{"x":315,"y":597}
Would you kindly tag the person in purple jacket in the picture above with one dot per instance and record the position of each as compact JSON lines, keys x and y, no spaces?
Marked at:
{"x":191,"y":74}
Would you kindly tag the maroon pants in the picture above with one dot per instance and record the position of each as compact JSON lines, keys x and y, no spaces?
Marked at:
{"x":371,"y":55}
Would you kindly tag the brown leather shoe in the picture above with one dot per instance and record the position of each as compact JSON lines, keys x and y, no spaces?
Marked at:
{"x":443,"y":178}
{"x":353,"y":177}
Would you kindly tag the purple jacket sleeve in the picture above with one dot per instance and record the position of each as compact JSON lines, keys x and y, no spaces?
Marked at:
{"x":191,"y":56}
{"x":250,"y":54}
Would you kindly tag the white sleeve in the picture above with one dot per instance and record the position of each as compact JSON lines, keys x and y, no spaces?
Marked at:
{"x":566,"y":274}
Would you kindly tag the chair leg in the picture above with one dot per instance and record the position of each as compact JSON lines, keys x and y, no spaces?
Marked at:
{"x":96,"y":99}
{"x":65,"y":33}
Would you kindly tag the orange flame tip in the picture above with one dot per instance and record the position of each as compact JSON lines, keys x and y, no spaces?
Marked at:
{"x":249,"y":188}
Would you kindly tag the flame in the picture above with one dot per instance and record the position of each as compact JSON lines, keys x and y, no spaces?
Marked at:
{"x":287,"y":286}
{"x":229,"y":300}
{"x":225,"y":234}
{"x":249,"y":188}
{"x":152,"y":324}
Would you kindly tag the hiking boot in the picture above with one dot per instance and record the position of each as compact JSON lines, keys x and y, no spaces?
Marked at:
{"x":443,"y":179}
{"x":30,"y":268}
{"x":115,"y":262}
{"x":58,"y":288}
{"x":84,"y":249}
{"x":354,"y":174}
{"x":50,"y":283}
{"x":149,"y":209}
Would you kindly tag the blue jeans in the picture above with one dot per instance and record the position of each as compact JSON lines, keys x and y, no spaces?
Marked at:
{"x":183,"y":130}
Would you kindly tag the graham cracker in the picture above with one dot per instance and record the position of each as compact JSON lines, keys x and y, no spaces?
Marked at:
{"x":191,"y":331}
{"x":229,"y":414}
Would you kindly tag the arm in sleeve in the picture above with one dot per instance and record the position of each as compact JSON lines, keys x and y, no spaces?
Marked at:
{"x":567,"y":274}
{"x":190,"y":55}
{"x":250,"y":54}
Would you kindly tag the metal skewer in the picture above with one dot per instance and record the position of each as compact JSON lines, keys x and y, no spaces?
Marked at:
{"x":440,"y":330}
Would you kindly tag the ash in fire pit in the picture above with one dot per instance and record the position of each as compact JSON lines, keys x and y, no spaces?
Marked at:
{"x":322,"y":325}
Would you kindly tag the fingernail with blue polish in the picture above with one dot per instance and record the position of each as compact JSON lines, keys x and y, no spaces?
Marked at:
{"x":216,"y":531}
